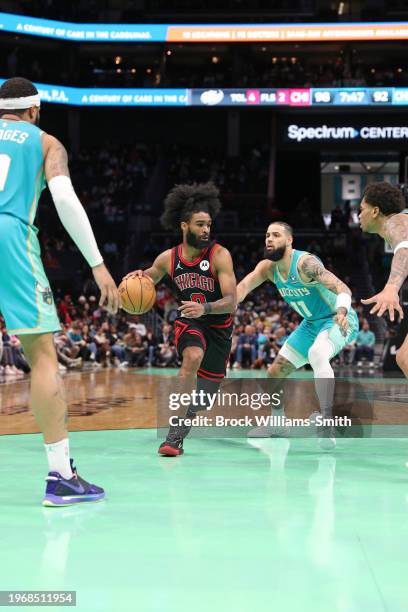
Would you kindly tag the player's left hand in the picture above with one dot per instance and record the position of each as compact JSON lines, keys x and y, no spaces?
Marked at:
{"x":191,"y":310}
{"x":109,"y":292}
{"x":341,"y":319}
{"x":387,"y":299}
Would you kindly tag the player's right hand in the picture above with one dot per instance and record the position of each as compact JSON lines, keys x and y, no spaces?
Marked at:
{"x":138,"y":273}
{"x":109,"y":292}
{"x":387,"y":299}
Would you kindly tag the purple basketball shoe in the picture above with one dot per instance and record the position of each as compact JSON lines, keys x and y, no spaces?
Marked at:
{"x":62,"y":492}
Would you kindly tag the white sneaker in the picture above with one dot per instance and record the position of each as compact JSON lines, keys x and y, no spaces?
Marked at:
{"x":326,"y":440}
{"x":8,"y":371}
{"x":327,"y":444}
{"x":62,"y":368}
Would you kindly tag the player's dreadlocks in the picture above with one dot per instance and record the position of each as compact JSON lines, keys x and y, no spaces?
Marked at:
{"x":185,"y":200}
{"x":17,"y":87}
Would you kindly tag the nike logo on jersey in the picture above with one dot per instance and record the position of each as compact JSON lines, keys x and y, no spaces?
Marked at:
{"x":179,"y":266}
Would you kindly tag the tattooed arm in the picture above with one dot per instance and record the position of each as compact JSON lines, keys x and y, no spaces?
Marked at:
{"x":311,"y":269}
{"x":395,"y":231}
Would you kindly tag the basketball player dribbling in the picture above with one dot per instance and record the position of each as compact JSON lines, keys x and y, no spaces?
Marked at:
{"x":30,"y":158}
{"x":324,"y":303}
{"x":203,"y":278}
{"x":381,"y":213}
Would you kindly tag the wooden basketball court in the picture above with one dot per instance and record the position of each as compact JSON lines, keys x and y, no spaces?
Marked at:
{"x":118,"y":399}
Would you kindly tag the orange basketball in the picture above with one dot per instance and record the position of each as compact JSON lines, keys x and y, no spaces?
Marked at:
{"x":137,"y":295}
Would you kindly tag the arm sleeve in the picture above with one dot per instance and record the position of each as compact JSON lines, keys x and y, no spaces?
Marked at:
{"x":74,"y":218}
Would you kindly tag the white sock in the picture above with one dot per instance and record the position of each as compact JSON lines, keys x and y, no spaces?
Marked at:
{"x":58,"y":458}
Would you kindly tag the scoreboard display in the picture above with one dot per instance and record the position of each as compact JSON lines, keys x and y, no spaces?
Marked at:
{"x":278,"y":97}
{"x":362,"y":96}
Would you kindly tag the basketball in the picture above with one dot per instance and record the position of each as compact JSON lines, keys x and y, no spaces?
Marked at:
{"x":137,"y":295}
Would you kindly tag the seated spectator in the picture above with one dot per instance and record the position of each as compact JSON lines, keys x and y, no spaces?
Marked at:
{"x":75,"y":335}
{"x":117,"y":346}
{"x":101,"y":339}
{"x":234,"y":343}
{"x":166,"y":354}
{"x":12,"y":360}
{"x":138,"y":326}
{"x":247,"y":348}
{"x":91,"y":345}
{"x":365,"y":342}
{"x":151,"y":347}
{"x":346,"y":356}
{"x":278,"y":339}
{"x":135,"y":349}
{"x":267,"y":356}
{"x":261,"y":338}
{"x":262,"y":341}
{"x":66,"y":351}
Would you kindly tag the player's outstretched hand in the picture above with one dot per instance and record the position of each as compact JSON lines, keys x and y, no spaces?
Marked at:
{"x":341,"y":319}
{"x":191,"y":310}
{"x":109,"y":292}
{"x":387,"y":299}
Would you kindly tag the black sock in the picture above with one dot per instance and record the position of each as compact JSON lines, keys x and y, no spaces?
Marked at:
{"x":180,"y":431}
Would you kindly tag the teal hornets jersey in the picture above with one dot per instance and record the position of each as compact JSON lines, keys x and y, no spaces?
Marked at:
{"x":26,"y":300}
{"x":311,"y":300}
{"x":21,"y":170}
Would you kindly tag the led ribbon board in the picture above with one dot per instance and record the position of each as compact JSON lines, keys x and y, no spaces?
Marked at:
{"x":191,"y":33}
{"x":302,"y":97}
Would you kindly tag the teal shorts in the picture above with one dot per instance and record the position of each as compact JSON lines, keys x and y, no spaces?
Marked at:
{"x":296,"y":347}
{"x":26,"y":300}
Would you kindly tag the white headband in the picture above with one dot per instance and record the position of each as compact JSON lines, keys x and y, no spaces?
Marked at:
{"x":20,"y":103}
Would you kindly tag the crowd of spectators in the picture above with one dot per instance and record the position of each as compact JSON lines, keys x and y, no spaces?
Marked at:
{"x":89,"y":338}
{"x":263,"y":67}
{"x":286,"y":71}
{"x":245,"y":174}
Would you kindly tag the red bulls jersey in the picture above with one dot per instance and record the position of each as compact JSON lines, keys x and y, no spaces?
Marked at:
{"x":196,"y":281}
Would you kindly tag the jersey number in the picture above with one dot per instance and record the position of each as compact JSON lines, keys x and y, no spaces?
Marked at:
{"x":5,"y":161}
{"x":197,"y":297}
{"x":301,"y":308}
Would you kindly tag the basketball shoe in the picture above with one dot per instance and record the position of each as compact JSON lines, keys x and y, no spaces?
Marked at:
{"x":325,"y":434}
{"x":62,"y":492}
{"x":171,"y":447}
